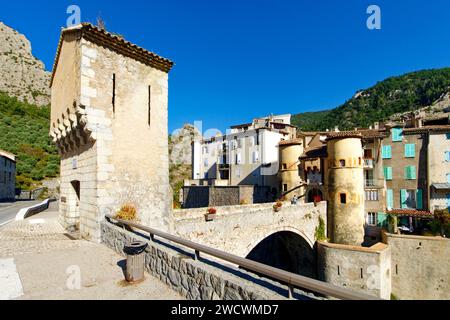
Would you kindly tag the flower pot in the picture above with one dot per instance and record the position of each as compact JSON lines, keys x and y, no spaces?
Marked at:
{"x":210,"y":216}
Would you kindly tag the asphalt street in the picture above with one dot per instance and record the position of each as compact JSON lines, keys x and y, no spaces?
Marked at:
{"x":8,"y":211}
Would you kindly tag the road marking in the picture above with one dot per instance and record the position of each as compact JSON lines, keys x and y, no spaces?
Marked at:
{"x":9,"y":280}
{"x":6,"y":222}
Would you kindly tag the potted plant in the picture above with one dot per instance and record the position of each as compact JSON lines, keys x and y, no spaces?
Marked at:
{"x":210,"y":214}
{"x":277,"y":206}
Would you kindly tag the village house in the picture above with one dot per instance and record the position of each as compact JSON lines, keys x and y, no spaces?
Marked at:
{"x":7,"y":176}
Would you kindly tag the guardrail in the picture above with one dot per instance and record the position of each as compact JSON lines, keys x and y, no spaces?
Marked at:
{"x":26,"y":212}
{"x":292,"y":280}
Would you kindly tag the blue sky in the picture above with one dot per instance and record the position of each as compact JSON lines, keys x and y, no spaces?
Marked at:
{"x":238,"y":59}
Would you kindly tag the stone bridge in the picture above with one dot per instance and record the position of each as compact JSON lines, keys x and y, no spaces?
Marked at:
{"x":284,"y":239}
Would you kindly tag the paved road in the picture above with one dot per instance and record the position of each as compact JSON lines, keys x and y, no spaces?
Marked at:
{"x":8,"y":211}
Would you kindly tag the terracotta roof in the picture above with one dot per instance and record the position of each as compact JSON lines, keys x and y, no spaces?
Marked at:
{"x":436,"y":128}
{"x":372,"y":133}
{"x":291,"y":142}
{"x":313,"y":153}
{"x":343,"y":134}
{"x":241,"y":125}
{"x":113,"y":42}
{"x":410,"y":212}
{"x":8,"y":155}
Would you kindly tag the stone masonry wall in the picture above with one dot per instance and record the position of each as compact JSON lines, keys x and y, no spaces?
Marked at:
{"x":420,"y":266}
{"x":238,"y":229}
{"x":367,"y":270}
{"x":132,"y":155}
{"x":193,"y":279}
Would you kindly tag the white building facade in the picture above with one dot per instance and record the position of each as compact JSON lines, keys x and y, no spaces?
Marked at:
{"x":247,"y":155}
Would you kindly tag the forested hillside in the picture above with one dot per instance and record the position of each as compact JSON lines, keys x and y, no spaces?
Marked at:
{"x":24,"y":131}
{"x":394,"y":95}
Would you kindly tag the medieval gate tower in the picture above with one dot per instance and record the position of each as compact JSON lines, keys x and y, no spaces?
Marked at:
{"x":109,"y":122}
{"x":345,"y":188}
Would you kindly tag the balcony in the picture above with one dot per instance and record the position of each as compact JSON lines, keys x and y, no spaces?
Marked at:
{"x":368,"y":163}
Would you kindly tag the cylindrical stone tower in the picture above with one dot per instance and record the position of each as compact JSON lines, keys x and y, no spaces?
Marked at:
{"x":290,"y":176}
{"x":345,"y":184}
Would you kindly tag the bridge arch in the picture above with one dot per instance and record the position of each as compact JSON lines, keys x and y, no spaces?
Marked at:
{"x":287,"y":248}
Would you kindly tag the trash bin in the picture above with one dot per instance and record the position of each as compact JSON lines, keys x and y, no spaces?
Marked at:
{"x":135,"y":261}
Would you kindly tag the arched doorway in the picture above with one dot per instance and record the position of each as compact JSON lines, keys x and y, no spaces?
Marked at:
{"x":288,"y":251}
{"x":74,"y":203}
{"x":315,"y":195}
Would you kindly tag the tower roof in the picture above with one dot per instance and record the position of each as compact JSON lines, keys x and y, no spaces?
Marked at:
{"x":115,"y":43}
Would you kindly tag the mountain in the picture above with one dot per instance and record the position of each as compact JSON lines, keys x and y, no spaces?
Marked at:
{"x":21,"y":74}
{"x":393,"y":96}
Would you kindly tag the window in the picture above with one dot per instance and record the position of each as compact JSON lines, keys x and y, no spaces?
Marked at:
{"x":397,"y":134}
{"x":205,"y":162}
{"x":408,"y":199}
{"x":388,"y":173}
{"x":410,"y":150}
{"x":372,"y":218}
{"x":149,"y":105}
{"x":343,"y":198}
{"x":239,"y":143}
{"x":447,"y":156}
{"x":284,"y":166}
{"x":238,"y":158}
{"x":448,"y":177}
{"x":447,"y":135}
{"x":410,"y":172}
{"x":114,"y":92}
{"x":257,"y":138}
{"x":371,"y":195}
{"x":367,"y":153}
{"x":285,"y":187}
{"x":238,"y":172}
{"x":386,"y":152}
{"x":255,"y":156}
{"x":389,"y":198}
{"x":342,"y":163}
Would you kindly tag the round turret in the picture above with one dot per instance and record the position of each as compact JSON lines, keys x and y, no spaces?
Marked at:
{"x":291,"y":181}
{"x":345,"y":184}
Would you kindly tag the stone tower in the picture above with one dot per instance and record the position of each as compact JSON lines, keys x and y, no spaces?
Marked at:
{"x":290,"y":176}
{"x":345,"y":184}
{"x":109,"y":121}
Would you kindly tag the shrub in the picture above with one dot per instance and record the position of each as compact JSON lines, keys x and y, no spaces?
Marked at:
{"x":127,"y":212}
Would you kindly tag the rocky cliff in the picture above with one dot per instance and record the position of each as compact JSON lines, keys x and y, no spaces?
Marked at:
{"x":21,"y":74}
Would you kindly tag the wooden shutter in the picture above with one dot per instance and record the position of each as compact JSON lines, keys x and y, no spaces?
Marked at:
{"x":419,"y":199}
{"x":403,"y":198}
{"x":390,"y":198}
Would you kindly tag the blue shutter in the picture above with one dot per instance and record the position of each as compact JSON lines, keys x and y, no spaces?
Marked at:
{"x":448,"y":177}
{"x":388,"y":173}
{"x":397,"y":134}
{"x":403,"y":198}
{"x":386,"y":152}
{"x":410,"y":150}
{"x":390,"y":198}
{"x":447,"y":156}
{"x":419,"y":199}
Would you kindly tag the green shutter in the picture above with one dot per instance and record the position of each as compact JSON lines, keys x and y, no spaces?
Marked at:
{"x":397,"y":134}
{"x":403,"y":198}
{"x":419,"y":199}
{"x":389,"y":198}
{"x":410,"y":172}
{"x":388,"y":173}
{"x":386,"y":152}
{"x":381,"y":219}
{"x":410,"y":150}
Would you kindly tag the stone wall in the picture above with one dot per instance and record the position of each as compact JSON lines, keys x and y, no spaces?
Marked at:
{"x":239,"y":229}
{"x":214,"y":196}
{"x":420,"y":266}
{"x":367,"y":270}
{"x":195,"y":279}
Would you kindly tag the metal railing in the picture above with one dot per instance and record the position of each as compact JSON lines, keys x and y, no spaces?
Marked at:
{"x":292,"y":280}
